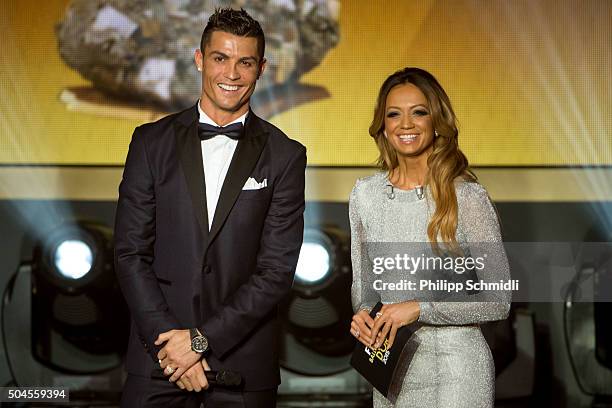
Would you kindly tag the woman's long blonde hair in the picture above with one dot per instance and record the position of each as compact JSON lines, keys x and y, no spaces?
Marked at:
{"x":445,"y":164}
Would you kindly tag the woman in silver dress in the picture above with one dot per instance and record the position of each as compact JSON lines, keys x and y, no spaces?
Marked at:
{"x":426,"y":194}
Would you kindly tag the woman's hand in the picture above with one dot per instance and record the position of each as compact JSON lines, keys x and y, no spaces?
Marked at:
{"x":360,"y":327}
{"x":390,"y":318}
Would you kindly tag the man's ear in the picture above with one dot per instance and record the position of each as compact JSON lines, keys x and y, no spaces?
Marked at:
{"x":262,"y":67}
{"x":199,"y":59}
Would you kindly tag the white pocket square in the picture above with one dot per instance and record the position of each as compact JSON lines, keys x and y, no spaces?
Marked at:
{"x":252,"y":184}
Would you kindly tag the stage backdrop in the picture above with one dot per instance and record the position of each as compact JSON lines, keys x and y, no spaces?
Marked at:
{"x":529,"y":80}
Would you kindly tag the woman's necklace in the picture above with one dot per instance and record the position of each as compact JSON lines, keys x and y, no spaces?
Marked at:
{"x":418,"y":189}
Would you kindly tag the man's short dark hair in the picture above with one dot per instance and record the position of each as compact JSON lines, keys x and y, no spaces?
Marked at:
{"x":237,"y":22}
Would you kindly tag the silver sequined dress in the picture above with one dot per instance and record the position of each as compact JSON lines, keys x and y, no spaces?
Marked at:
{"x":452,"y":365}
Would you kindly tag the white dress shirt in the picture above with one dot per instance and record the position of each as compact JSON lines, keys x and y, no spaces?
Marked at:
{"x":217,"y":154}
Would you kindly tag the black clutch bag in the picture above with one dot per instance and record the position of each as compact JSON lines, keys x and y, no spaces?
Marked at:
{"x":382,"y":367}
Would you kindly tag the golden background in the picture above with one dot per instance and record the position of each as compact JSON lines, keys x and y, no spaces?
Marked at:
{"x":529,"y":82}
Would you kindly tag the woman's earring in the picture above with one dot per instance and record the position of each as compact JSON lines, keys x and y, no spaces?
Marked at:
{"x":385,"y":133}
{"x":436,"y":133}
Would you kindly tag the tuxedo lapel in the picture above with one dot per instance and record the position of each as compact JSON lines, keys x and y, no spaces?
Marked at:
{"x":244,"y":160}
{"x":190,"y":156}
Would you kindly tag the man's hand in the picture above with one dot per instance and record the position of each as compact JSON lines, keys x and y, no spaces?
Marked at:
{"x":176,"y":353}
{"x":194,"y":378}
{"x":390,"y":318}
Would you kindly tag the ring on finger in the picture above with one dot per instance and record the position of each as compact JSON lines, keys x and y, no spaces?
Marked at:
{"x":169,"y":370}
{"x":356,"y":333}
{"x":378,"y":314}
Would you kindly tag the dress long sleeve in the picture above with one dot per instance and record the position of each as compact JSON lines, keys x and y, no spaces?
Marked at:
{"x":362,"y":292}
{"x":479,"y":222}
{"x":450,"y":363}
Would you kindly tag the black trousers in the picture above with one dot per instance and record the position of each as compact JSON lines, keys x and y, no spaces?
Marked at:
{"x":142,"y":392}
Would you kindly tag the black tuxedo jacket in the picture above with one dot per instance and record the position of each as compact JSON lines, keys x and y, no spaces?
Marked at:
{"x":228,"y":281}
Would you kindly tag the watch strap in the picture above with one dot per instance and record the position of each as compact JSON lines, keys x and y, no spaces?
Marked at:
{"x":193,"y":332}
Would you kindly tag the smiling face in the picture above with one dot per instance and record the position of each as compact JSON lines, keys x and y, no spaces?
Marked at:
{"x":408,"y":123}
{"x":230,"y":67}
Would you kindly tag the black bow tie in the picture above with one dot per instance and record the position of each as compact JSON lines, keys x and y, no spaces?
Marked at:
{"x":233,"y":131}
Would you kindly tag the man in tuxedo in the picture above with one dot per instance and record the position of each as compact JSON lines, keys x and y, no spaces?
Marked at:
{"x":209,"y":225}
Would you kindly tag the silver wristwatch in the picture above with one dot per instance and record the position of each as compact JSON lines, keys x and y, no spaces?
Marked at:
{"x":199,"y":342}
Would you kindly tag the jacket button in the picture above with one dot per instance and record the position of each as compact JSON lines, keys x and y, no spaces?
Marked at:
{"x":207,"y":269}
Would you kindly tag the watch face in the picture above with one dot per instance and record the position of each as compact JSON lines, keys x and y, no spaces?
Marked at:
{"x":199,"y":344}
